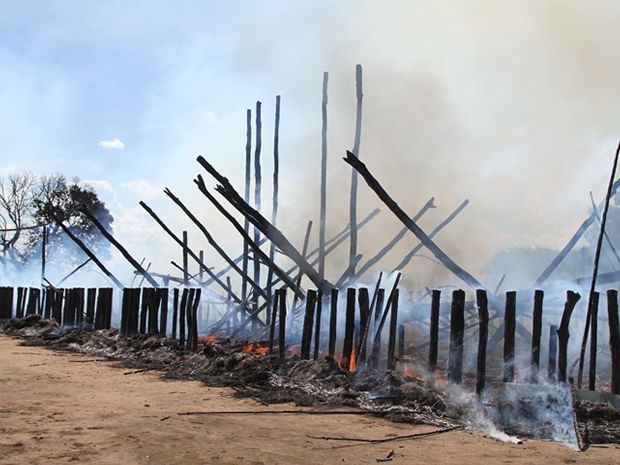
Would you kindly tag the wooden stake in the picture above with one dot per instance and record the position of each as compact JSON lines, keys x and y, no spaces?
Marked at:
{"x":457,"y":327}
{"x":614,"y":339}
{"x":536,"y":335}
{"x":483,"y":334}
{"x":509,"y":336}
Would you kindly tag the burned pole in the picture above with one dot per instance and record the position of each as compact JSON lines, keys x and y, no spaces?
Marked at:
{"x":483,"y":334}
{"x":323,"y":199}
{"x":121,"y":249}
{"x":276,"y":190}
{"x":356,"y":151}
{"x":333,"y":320}
{"x":457,"y":329}
{"x":593,"y":341}
{"x":434,"y":337}
{"x":246,"y":196}
{"x":87,"y":251}
{"x":269,"y":230}
{"x":413,"y":227}
{"x":536,"y":335}
{"x":509,"y":336}
{"x":258,"y":180}
{"x":597,"y":255}
{"x":563,"y":333}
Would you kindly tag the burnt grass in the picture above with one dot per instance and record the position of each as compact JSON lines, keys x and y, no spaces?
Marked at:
{"x":305,"y":383}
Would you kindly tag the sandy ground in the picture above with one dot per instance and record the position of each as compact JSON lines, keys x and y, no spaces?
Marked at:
{"x":59,"y":407}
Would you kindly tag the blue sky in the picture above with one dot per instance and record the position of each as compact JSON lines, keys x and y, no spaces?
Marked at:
{"x":512,"y":105}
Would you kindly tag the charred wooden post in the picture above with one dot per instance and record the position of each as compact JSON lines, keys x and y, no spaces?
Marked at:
{"x":377,"y":341}
{"x":536,"y":335}
{"x":129,"y":311}
{"x":193,"y":300}
{"x":366,"y":321}
{"x":6,"y":302}
{"x":439,"y":254}
{"x":175,"y":312}
{"x":317,"y":325}
{"x":274,"y":317}
{"x":375,"y":355}
{"x":510,"y":322}
{"x":433,"y":337}
{"x":483,"y":334}
{"x":59,"y":298}
{"x":593,"y":341}
{"x":457,"y":329}
{"x":553,"y":353}
{"x":34,"y":301}
{"x":614,"y":339}
{"x":391,"y":359}
{"x":162,"y":297}
{"x":363,"y":299}
{"x":282,"y":325}
{"x":182,"y":317}
{"x":144,"y":308}
{"x":103,"y":315}
{"x":306,"y":335}
{"x":91,"y":302}
{"x":333,"y":320}
{"x":21,"y":302}
{"x":349,"y":328}
{"x":563,"y":333}
{"x":401,"y":344}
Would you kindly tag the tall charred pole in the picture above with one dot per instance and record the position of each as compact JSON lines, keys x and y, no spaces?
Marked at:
{"x":356,"y":152}
{"x":258,"y":179}
{"x":246,"y":196}
{"x":276,"y":189}
{"x":323,"y":200}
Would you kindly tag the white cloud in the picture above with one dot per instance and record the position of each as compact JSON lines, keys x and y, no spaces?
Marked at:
{"x":111,"y":144}
{"x":143,"y":188}
{"x":212,"y":117}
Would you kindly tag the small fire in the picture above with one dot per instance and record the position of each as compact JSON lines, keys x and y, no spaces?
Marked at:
{"x":257,"y":349}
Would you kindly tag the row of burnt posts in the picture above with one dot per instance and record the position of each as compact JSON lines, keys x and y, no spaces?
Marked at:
{"x":145,"y":310}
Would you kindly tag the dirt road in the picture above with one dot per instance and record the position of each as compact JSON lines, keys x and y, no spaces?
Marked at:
{"x":60,"y":407}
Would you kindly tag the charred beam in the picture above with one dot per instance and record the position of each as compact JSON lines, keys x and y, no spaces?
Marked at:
{"x":360,"y":167}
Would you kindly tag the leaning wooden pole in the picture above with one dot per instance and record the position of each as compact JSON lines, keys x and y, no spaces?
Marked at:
{"x":356,"y":151}
{"x":352,"y":160}
{"x":87,"y":251}
{"x":121,"y":249}
{"x":597,"y":255}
